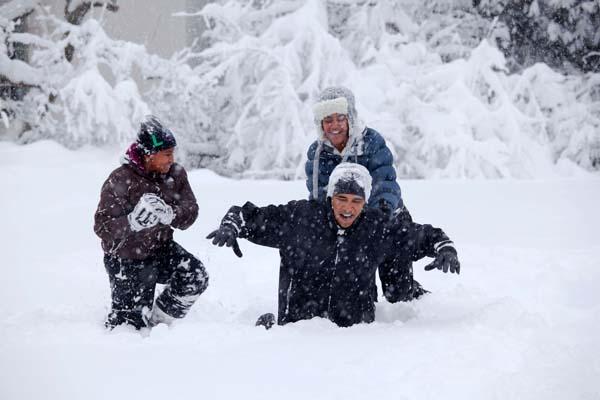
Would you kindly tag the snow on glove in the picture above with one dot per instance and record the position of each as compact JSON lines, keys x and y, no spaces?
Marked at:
{"x":445,"y":260}
{"x":226,"y":235}
{"x":143,"y":216}
{"x":267,"y":320}
{"x":161,"y":209}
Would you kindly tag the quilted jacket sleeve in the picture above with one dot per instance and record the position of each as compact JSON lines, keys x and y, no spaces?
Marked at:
{"x":309,"y":168}
{"x":380,"y":165}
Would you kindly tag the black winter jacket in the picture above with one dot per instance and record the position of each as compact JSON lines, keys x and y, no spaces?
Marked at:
{"x":327,"y":271}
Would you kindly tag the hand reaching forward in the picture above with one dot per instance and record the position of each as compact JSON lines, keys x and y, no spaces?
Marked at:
{"x":445,"y":260}
{"x":226,"y":235}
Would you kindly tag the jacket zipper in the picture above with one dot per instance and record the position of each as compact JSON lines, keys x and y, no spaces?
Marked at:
{"x":287,"y":299}
{"x":339,"y":241}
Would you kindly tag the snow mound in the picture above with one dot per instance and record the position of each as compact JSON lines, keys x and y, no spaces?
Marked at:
{"x":519,"y":322}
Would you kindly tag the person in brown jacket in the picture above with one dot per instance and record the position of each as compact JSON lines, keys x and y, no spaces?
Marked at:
{"x":141,"y":203}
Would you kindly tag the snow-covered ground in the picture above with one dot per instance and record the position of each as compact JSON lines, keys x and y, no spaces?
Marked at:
{"x":520,"y":322}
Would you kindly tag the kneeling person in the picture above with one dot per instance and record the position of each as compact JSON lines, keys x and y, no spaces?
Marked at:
{"x":331,"y":250}
{"x":140,"y":204}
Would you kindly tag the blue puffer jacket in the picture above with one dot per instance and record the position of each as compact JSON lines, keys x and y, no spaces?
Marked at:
{"x":371,"y":152}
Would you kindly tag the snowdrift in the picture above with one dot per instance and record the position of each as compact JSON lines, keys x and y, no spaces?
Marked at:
{"x":519,"y":322}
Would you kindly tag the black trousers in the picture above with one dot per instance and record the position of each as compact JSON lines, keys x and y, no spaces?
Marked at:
{"x":132,"y":285}
{"x":396,"y":273}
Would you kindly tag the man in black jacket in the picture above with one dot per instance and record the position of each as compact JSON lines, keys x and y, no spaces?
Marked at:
{"x":330,"y":250}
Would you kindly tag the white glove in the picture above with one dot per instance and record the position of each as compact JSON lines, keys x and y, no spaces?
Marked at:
{"x":143,"y":215}
{"x":161,"y":209}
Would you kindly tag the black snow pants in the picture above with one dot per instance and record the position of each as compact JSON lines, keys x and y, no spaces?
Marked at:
{"x":396,"y":272}
{"x":132,"y":284}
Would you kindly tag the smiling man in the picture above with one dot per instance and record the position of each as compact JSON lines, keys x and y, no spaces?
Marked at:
{"x":330,"y":250}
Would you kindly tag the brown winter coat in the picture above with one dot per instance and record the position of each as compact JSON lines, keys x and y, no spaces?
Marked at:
{"x":121,"y":192}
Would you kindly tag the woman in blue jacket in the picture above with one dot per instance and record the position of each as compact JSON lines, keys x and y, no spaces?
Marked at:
{"x":343,"y":137}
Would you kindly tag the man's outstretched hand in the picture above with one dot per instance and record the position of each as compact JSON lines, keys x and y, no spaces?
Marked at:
{"x":445,"y":260}
{"x":226,"y":235}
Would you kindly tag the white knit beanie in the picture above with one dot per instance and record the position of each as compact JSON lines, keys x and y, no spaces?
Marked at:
{"x":325,"y":108}
{"x":347,"y":178}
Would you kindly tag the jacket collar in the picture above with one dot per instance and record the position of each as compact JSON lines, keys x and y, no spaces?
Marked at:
{"x":354,"y":147}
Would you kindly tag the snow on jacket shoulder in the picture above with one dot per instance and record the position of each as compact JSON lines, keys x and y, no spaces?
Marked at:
{"x":121,"y":192}
{"x":327,"y":271}
{"x":371,"y":152}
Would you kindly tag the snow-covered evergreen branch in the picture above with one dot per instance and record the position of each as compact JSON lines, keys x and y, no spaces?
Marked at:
{"x":423,"y":74}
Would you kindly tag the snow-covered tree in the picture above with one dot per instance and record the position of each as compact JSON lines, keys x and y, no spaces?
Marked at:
{"x":443,"y":98}
{"x":87,"y":105}
{"x":261,"y":74}
{"x":15,"y":75}
{"x":561,"y":33}
{"x":447,"y":106}
{"x":82,"y":87}
{"x":35,"y":74}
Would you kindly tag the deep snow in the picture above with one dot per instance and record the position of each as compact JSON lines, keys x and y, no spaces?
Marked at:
{"x":521,"y":321}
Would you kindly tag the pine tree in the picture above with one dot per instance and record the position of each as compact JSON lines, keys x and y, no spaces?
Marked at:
{"x":563,"y":34}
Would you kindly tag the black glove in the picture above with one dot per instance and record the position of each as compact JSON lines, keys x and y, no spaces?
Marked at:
{"x":385,"y":207}
{"x":445,"y":260}
{"x":267,"y":320}
{"x":226,"y":235}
